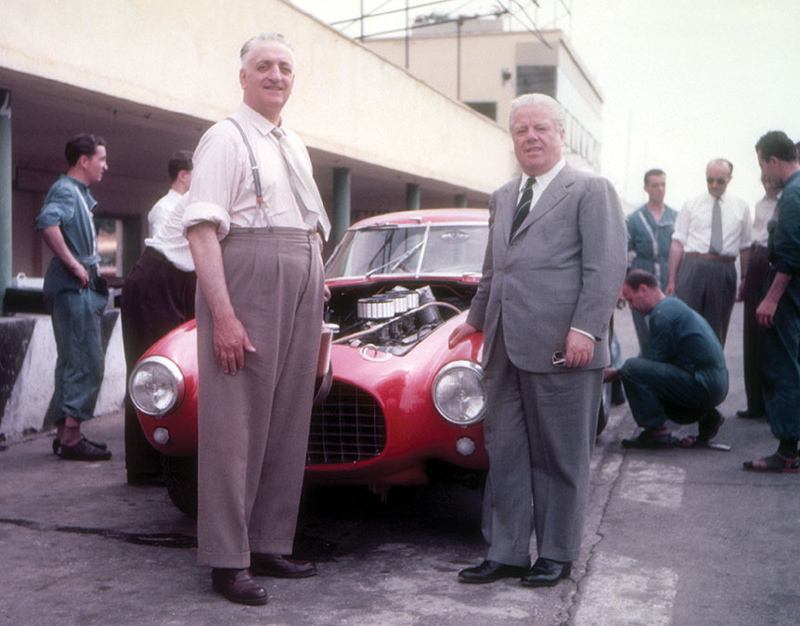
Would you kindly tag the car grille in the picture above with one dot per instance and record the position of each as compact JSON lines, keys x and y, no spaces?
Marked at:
{"x":347,"y":427}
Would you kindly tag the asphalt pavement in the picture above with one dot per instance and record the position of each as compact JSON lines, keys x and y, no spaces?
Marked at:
{"x":676,"y":536}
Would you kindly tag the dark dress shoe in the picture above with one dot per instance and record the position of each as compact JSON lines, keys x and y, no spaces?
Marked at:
{"x":708,"y":425}
{"x":546,"y":573}
{"x":237,"y":585}
{"x":97,"y":444}
{"x":748,"y":414}
{"x":489,"y":572}
{"x":82,"y":451}
{"x":279,"y":566}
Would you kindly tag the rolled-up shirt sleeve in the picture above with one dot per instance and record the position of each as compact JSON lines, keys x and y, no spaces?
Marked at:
{"x":681,"y":231}
{"x":215,"y":181}
{"x":60,"y":207}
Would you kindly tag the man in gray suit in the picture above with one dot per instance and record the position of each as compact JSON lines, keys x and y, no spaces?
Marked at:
{"x":554,"y":266}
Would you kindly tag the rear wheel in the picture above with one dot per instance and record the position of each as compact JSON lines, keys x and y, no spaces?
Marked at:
{"x":180,"y":473}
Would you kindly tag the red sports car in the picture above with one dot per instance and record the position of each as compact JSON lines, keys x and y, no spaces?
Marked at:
{"x":400,"y":400}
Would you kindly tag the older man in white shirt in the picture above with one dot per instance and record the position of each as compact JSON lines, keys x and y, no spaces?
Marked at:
{"x":711,"y":230}
{"x":254,"y":221}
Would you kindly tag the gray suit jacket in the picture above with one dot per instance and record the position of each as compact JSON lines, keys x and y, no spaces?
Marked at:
{"x":564,"y":268}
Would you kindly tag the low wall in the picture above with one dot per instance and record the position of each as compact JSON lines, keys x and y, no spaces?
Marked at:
{"x":27,"y":372}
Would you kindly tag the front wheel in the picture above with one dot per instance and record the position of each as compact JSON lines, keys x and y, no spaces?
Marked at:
{"x":605,"y":409}
{"x":180,"y":474}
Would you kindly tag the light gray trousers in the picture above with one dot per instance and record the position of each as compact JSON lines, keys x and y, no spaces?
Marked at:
{"x":539,"y":432}
{"x":253,"y":426}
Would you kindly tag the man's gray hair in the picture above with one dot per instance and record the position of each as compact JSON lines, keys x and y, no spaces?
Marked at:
{"x":537,"y":98}
{"x":254,"y":41}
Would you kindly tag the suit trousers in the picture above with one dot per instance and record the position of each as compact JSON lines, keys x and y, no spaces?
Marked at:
{"x":157,"y":297}
{"x":539,"y":433}
{"x":253,"y":425}
{"x":709,"y":287}
{"x":753,"y":292}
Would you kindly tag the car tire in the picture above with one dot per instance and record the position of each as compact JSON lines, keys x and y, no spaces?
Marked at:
{"x":180,"y":474}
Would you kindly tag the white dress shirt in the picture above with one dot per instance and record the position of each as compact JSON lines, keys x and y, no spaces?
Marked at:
{"x":541,"y":183}
{"x":159,"y":214}
{"x":693,"y":225}
{"x":223,"y":191}
{"x":170,"y":241}
{"x":765,"y":209}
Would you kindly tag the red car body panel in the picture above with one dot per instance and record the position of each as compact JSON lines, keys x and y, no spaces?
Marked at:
{"x":400,"y":384}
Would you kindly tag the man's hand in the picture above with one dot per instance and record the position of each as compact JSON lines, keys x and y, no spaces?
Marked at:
{"x":579,"y":349}
{"x":54,"y":239}
{"x":460,"y":332}
{"x":230,"y":337}
{"x":230,"y":343}
{"x":82,"y":274}
{"x":765,"y":313}
{"x":676,"y":251}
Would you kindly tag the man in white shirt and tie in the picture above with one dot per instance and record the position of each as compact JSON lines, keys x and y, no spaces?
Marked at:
{"x":255,"y":223}
{"x":710,"y":232}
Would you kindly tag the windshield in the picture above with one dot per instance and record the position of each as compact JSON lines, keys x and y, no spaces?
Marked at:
{"x":452,"y":249}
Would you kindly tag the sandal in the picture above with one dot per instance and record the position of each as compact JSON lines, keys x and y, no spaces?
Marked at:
{"x":776,"y":464}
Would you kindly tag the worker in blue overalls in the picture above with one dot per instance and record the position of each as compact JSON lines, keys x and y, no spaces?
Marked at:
{"x":76,"y":296}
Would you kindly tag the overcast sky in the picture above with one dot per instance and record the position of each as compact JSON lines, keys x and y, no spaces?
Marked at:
{"x":684,"y":81}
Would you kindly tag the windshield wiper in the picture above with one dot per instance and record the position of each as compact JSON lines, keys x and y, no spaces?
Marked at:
{"x":393,"y":264}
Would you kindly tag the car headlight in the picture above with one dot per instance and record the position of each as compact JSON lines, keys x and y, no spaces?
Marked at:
{"x":459,"y":393}
{"x":156,"y":386}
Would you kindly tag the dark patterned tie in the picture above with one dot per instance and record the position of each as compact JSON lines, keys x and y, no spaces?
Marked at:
{"x":524,"y":206}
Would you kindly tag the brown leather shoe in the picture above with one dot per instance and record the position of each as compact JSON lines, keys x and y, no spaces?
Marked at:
{"x":237,"y":585}
{"x":279,"y":566}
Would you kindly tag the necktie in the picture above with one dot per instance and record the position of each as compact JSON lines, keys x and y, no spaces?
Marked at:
{"x":716,"y":228}
{"x":303,"y":186}
{"x":524,"y":206}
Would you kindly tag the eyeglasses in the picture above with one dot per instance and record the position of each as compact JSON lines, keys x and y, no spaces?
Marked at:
{"x":719,"y":181}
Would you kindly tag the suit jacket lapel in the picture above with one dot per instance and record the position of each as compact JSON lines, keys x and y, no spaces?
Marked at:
{"x":507,"y":205}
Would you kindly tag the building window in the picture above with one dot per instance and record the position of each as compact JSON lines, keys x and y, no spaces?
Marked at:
{"x":109,"y":245}
{"x":536,"y":79}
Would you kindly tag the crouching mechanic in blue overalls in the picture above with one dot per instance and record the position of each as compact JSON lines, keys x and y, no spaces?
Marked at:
{"x":682,"y":376}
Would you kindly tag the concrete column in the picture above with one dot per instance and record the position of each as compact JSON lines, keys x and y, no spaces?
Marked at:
{"x":5,"y":192}
{"x":341,"y":203}
{"x":460,"y":201}
{"x":412,"y":196}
